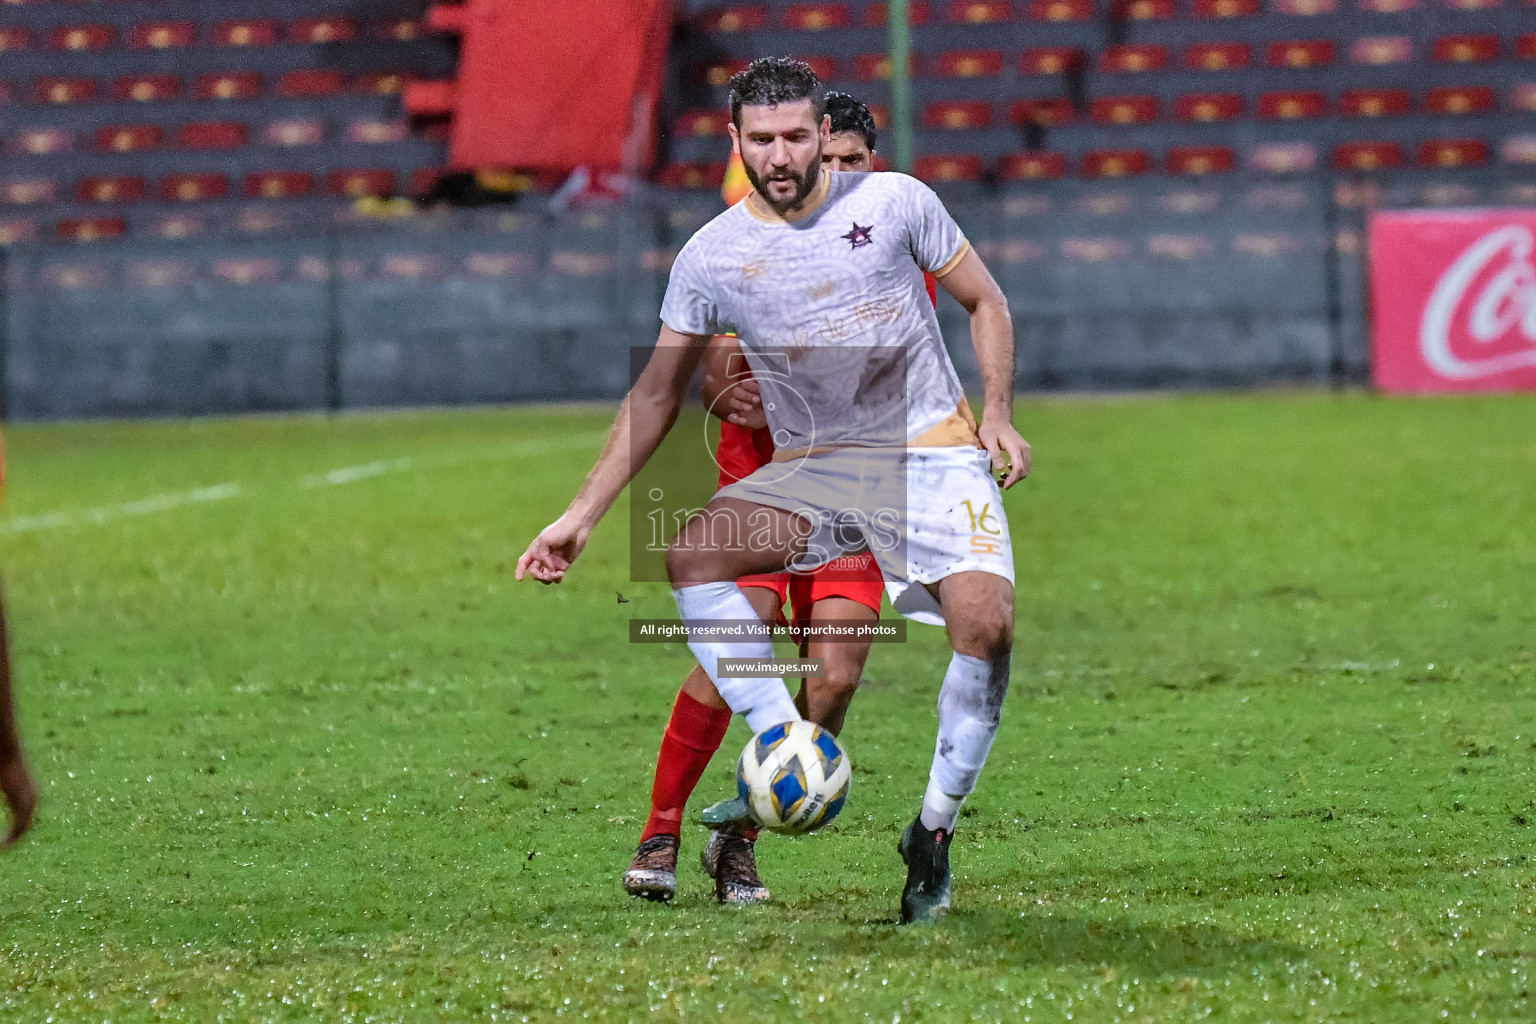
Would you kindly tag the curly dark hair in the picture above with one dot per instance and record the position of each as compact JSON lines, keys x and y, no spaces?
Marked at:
{"x":851,"y":115}
{"x":769,"y":81}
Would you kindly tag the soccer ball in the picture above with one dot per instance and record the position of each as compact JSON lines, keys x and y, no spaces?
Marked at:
{"x":794,"y":776}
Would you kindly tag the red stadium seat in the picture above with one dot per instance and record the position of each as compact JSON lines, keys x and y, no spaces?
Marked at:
{"x":957,"y":114}
{"x":1306,"y":8}
{"x":1453,"y":153}
{"x":968,"y":64}
{"x":146,"y":88}
{"x":301,"y":131}
{"x":313,"y":82}
{"x":1466,"y":49}
{"x":1208,"y":106}
{"x":376,"y":131}
{"x":278,"y":184}
{"x":89,"y":229}
{"x":361,"y":182}
{"x":702,"y":124}
{"x":129,"y":138}
{"x":14,"y":38}
{"x":1367,"y":156}
{"x":229,"y":85}
{"x":110,"y":189}
{"x":951,"y":167}
{"x":64,"y":90}
{"x":734,"y":19}
{"x":1374,"y":102}
{"x":1282,"y":157}
{"x":26,"y":191}
{"x":1045,"y":112}
{"x":1116,"y":163}
{"x":918,"y":13}
{"x":720,"y":73}
{"x":1201,"y":160}
{"x":400,"y":30}
{"x":1379,"y":50}
{"x":1226,"y":8}
{"x":978,"y":12}
{"x":1525,"y":46}
{"x":1522,"y":98}
{"x":814,"y":17}
{"x":383,"y":83}
{"x":322,"y":30}
{"x":1304,"y":53}
{"x":1032,"y":165}
{"x":691,"y":176}
{"x":1123,"y":109}
{"x":1133,"y":59}
{"x":825,"y":67}
{"x":82,"y":37}
{"x":245,"y":32}
{"x":43,"y":141}
{"x":211,"y":135}
{"x":1468,"y":99}
{"x":1060,"y":10}
{"x":1292,"y":106}
{"x":163,"y":35}
{"x":193,"y":187}
{"x":1143,"y":10}
{"x":882,"y":115}
{"x":1217,"y":56}
{"x":424,"y":178}
{"x":1050,"y":60}
{"x":869,"y":67}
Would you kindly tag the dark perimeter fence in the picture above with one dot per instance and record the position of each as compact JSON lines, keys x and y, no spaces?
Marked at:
{"x":1113,"y":284}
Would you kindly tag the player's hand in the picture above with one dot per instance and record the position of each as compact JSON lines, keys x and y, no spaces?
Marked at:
{"x":1000,"y":439}
{"x":553,"y":551}
{"x":745,"y":405}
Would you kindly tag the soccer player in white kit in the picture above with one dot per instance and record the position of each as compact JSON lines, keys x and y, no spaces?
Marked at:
{"x":820,"y":277}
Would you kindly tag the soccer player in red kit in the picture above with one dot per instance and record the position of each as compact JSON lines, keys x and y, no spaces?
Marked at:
{"x":16,"y":783}
{"x":847,"y":590}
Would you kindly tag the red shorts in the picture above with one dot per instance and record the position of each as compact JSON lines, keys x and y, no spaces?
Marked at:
{"x":855,"y":577}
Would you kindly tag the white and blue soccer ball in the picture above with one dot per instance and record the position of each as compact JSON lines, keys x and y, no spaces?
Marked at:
{"x":794,"y":776}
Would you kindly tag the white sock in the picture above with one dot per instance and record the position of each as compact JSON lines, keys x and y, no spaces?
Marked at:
{"x":764,"y":700}
{"x":970,"y":708}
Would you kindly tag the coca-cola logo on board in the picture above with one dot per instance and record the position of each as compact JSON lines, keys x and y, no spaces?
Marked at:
{"x":1481,"y":318}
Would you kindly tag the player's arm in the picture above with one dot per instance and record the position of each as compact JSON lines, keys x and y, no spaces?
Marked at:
{"x":972,"y":285}
{"x":729,"y":390}
{"x":647,"y":413}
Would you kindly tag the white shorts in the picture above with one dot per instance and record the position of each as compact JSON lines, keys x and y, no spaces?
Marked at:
{"x":924,"y":513}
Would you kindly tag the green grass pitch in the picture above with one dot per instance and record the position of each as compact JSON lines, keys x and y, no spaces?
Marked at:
{"x":309,"y":754}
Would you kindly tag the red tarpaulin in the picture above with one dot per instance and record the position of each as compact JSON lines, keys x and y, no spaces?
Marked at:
{"x":559,"y":86}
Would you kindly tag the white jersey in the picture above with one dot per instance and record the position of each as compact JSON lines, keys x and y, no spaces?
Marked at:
{"x":832,"y":312}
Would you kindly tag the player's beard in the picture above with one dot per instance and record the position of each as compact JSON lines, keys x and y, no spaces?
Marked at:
{"x":803,"y":184}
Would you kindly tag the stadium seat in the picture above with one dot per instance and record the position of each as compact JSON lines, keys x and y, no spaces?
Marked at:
{"x":948,"y":167}
{"x":146,"y":88}
{"x":193,"y":187}
{"x":311,"y":83}
{"x":1525,"y":46}
{"x":1522,"y":98}
{"x":1217,"y":56}
{"x":1367,"y":156}
{"x":1201,"y":160}
{"x":64,"y":90}
{"x":1387,"y":6}
{"x":129,"y":138}
{"x":869,"y":67}
{"x":110,"y":189}
{"x":734,"y":19}
{"x":1123,"y":109}
{"x":17,"y":229}
{"x":301,"y":131}
{"x":1208,"y":106}
{"x":1030,"y":165}
{"x":720,"y":73}
{"x":1380,"y":50}
{"x":968,"y":64}
{"x":361,"y":182}
{"x":1306,"y":8}
{"x":26,"y":191}
{"x":1282,"y":157}
{"x":702,"y":124}
{"x":376,"y":131}
{"x":228,"y":85}
{"x":814,"y":17}
{"x":43,"y":141}
{"x":278,"y":184}
{"x":1519,"y":149}
{"x":1469,"y":99}
{"x":1466,"y":49}
{"x":1050,"y":60}
{"x":1305,"y":53}
{"x":978,"y":12}
{"x":211,"y":135}
{"x":1142,"y":10}
{"x":1226,"y":8}
{"x":1133,"y":59}
{"x":1045,"y":112}
{"x":163,"y":35}
{"x":1292,"y":105}
{"x":82,"y":37}
{"x":382,"y":83}
{"x":1116,"y":163}
{"x":314,"y":31}
{"x":245,"y":32}
{"x":825,"y":67}
{"x":957,"y":114}
{"x":1453,"y":153}
{"x":693,"y":176}
{"x":14,"y":38}
{"x":918,"y":13}
{"x":1374,"y":102}
{"x":400,"y":30}
{"x":1060,"y":10}
{"x":424,"y":178}
{"x":88,"y":229}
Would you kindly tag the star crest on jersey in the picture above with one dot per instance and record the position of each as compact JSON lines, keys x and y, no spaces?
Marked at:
{"x":859,"y":237}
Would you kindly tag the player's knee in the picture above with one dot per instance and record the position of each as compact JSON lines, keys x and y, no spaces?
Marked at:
{"x":987,"y":636}
{"x":682,"y":565}
{"x":837,"y":687}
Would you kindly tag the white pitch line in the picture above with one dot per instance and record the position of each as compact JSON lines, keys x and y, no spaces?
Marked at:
{"x":107,"y":513}
{"x":352,"y":474}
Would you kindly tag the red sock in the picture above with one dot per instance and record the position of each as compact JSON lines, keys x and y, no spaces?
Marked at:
{"x":693,"y":735}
